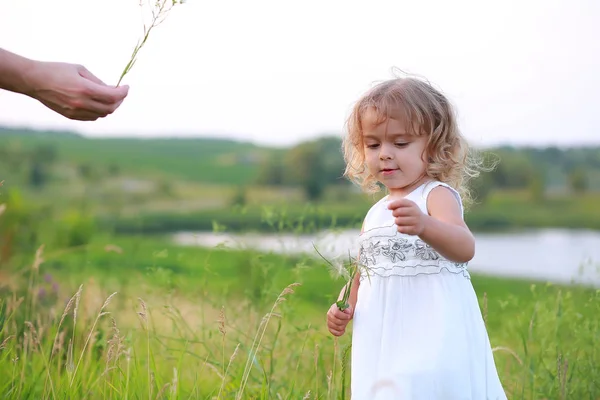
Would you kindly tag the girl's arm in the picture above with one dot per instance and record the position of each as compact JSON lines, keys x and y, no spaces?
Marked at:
{"x":444,"y":228}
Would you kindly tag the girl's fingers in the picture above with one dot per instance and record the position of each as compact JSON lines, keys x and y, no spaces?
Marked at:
{"x":335,"y":312}
{"x":337,"y":323}
{"x":400,"y":212}
{"x":336,"y":332}
{"x":404,"y":221}
{"x":337,"y":320}
{"x":407,"y":230}
{"x":341,"y":315}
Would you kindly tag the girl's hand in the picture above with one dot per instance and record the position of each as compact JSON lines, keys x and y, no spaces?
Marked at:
{"x":337,"y":320}
{"x":408,"y":216}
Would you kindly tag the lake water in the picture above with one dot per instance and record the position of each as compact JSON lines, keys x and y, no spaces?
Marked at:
{"x":555,"y":255}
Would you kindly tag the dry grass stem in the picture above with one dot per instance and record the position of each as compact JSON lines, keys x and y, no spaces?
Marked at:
{"x":508,"y":350}
{"x":38,"y":260}
{"x":144,"y":313}
{"x":162,"y":390}
{"x":259,"y":337}
{"x":5,"y":342}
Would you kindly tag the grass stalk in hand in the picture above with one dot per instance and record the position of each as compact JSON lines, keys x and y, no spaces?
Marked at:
{"x":159,"y":10}
{"x":348,"y":271}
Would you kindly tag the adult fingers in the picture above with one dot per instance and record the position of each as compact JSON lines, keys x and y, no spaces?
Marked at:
{"x":106,"y":94}
{"x":84,"y":72}
{"x":83,"y":115}
{"x":102,"y":92}
{"x":75,"y":112}
{"x":91,"y":111}
{"x":115,"y":106}
{"x":95,"y":109}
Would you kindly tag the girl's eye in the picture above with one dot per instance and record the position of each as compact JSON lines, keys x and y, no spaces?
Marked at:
{"x":373,"y":146}
{"x":402,"y":144}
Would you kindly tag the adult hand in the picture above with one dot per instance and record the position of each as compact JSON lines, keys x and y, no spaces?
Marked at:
{"x":72,"y":91}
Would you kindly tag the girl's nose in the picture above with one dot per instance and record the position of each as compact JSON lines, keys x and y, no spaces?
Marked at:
{"x":385,"y":152}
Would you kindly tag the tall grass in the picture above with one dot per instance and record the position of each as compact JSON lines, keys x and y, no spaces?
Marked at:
{"x":185,"y":335}
{"x":99,"y":352}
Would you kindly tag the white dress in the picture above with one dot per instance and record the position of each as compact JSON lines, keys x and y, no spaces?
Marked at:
{"x":418,"y":332}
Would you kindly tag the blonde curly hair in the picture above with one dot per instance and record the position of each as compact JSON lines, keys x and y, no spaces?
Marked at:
{"x":429,"y":112}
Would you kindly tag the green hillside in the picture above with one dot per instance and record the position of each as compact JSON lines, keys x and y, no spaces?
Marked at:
{"x":207,"y":160}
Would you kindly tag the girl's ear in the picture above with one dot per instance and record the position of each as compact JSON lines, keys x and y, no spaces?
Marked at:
{"x":426,"y":154}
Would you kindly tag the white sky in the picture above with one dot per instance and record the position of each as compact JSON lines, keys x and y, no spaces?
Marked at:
{"x":277,"y":72}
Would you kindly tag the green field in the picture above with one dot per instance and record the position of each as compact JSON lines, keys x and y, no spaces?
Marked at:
{"x":211,"y":323}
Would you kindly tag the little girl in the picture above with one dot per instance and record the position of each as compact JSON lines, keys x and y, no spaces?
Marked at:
{"x":418,"y":331}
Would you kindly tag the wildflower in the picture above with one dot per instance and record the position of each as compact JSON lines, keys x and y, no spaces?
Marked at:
{"x":346,"y":270}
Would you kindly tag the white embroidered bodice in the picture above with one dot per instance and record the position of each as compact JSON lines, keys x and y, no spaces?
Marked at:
{"x":386,"y":252}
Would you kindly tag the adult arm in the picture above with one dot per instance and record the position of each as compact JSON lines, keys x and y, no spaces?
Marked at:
{"x":68,"y":89}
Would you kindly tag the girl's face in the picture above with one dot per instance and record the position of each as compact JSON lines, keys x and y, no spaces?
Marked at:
{"x":394,"y":157}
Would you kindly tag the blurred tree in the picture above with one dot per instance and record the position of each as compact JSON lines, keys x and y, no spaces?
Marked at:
{"x":12,"y":156}
{"x":44,"y":153}
{"x":578,"y":181}
{"x":41,"y":159}
{"x":37,"y":175}
{"x":271,"y":171}
{"x":75,"y":229}
{"x":314,"y":165}
{"x":333,"y":160}
{"x":85,"y":171}
{"x":481,"y":187}
{"x":114,"y":169}
{"x":18,"y":225}
{"x":515,"y":171}
{"x":165,"y":188}
{"x":537,"y":186}
{"x":240,"y":197}
{"x":304,"y":167}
